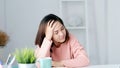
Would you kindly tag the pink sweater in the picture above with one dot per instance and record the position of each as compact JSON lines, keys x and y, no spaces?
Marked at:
{"x":71,"y":54}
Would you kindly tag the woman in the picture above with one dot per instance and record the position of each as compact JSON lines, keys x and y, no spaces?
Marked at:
{"x":54,"y":40}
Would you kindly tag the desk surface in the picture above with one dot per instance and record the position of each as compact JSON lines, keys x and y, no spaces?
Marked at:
{"x":97,"y":66}
{"x":91,"y":66}
{"x":103,"y":66}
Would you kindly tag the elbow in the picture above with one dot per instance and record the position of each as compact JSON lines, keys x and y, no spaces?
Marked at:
{"x":86,"y":63}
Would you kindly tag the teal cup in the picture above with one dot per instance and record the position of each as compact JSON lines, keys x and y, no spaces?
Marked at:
{"x":45,"y":62}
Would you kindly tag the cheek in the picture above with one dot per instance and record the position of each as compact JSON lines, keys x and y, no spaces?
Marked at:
{"x":64,"y":32}
{"x":55,"y":38}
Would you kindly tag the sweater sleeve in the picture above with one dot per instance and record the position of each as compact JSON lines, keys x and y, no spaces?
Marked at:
{"x":80,"y":58}
{"x":44,"y":50}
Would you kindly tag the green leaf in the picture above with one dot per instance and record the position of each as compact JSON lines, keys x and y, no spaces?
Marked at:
{"x":25,"y":55}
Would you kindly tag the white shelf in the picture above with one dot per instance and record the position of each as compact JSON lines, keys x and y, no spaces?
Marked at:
{"x":73,"y":12}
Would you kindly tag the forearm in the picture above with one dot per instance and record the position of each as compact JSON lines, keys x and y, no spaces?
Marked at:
{"x":44,"y":50}
{"x":78,"y":62}
{"x":81,"y":61}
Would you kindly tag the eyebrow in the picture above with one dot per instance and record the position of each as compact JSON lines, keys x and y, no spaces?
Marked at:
{"x":60,"y":27}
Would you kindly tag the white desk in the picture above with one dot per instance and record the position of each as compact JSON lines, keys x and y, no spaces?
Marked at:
{"x":91,"y":66}
{"x":97,"y":66}
{"x":103,"y":66}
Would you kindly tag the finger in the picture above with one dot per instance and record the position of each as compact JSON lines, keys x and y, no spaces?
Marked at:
{"x":52,"y":63}
{"x":54,"y":25}
{"x":51,"y":23}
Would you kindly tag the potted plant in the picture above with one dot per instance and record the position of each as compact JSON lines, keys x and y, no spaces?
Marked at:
{"x":25,"y":58}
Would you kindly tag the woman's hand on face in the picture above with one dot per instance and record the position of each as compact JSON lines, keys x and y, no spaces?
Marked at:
{"x":49,"y":29}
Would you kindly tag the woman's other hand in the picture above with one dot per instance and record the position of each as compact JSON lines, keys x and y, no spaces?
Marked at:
{"x":57,"y":64}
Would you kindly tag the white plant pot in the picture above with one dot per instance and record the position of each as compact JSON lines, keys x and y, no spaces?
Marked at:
{"x":26,"y":65}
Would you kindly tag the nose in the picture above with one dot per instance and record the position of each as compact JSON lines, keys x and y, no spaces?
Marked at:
{"x":61,"y":33}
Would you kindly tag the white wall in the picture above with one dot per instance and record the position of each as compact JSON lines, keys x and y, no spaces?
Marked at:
{"x":2,"y":15}
{"x":113,"y":17}
{"x":101,"y":23}
{"x":22,"y":19}
{"x":2,"y":25}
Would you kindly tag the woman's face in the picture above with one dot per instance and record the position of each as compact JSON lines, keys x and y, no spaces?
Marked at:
{"x":59,"y":33}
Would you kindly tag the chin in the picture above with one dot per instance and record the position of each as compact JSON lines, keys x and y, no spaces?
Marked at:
{"x":62,"y":41}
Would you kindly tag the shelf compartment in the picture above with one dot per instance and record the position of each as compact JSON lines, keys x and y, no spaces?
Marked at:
{"x":73,"y":12}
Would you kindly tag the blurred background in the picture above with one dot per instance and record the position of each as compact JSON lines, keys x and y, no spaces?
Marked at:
{"x":20,"y":20}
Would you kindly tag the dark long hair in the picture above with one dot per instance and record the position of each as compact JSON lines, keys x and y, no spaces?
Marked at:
{"x":42,"y":27}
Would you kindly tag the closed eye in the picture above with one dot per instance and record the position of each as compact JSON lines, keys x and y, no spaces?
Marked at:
{"x":55,"y":32}
{"x":62,"y":28}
